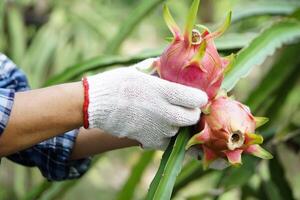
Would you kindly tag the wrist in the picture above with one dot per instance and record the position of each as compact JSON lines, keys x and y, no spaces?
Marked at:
{"x":100,"y":100}
{"x":86,"y":102}
{"x":75,"y":98}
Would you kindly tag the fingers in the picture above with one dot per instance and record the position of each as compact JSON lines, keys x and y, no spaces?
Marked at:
{"x":157,"y":143}
{"x":172,"y":131}
{"x":145,"y":64}
{"x":162,"y":144}
{"x":182,"y":95}
{"x":181,"y":116}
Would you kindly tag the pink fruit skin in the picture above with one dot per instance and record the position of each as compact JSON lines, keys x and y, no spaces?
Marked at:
{"x":229,"y":115}
{"x":176,"y":64}
{"x":227,"y":131}
{"x":225,"y":117}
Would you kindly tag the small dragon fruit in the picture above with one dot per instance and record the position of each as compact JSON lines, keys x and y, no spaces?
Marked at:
{"x":227,"y":127}
{"x":192,"y":58}
{"x":228,"y":130}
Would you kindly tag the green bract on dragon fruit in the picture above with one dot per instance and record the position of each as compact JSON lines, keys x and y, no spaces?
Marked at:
{"x":227,"y":127}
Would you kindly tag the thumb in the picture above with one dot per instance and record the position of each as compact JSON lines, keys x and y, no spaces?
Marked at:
{"x":185,"y":96}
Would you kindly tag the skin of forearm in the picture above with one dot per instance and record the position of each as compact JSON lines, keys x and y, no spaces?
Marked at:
{"x":94,"y":141}
{"x":38,"y":115}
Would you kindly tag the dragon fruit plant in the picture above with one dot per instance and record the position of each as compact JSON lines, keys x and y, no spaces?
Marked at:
{"x":227,"y":127}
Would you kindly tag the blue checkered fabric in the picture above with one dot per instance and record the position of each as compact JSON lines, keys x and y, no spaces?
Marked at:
{"x":52,"y":156}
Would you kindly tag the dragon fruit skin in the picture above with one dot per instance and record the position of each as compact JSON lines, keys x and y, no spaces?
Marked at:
{"x":227,"y":131}
{"x":192,"y":58}
{"x":227,"y":127}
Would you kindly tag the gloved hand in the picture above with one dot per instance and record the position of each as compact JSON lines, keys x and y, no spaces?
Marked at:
{"x":128,"y":103}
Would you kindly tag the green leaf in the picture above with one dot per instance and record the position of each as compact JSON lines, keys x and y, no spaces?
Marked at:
{"x":3,"y":39}
{"x":226,"y":42}
{"x":164,"y":180}
{"x":289,"y":58}
{"x":42,"y":48}
{"x":205,"y":195}
{"x":58,"y":190}
{"x":138,"y":14}
{"x":90,"y":18}
{"x":98,"y":63}
{"x":103,"y":62}
{"x":38,"y":56}
{"x":296,"y":14}
{"x":263,"y":7}
{"x":189,"y":169}
{"x":271,"y":191}
{"x":155,"y":182}
{"x":17,"y":33}
{"x":234,"y":40}
{"x":127,"y":192}
{"x":278,"y":97}
{"x":248,"y":192}
{"x":190,"y":172}
{"x":236,"y":177}
{"x":260,"y":48}
{"x":54,"y":190}
{"x":285,"y":102}
{"x":38,"y":191}
{"x":278,"y":177}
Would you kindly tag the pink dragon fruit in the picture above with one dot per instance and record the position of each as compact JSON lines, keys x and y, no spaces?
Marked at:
{"x":192,"y":58}
{"x":227,"y":127}
{"x":228,"y":130}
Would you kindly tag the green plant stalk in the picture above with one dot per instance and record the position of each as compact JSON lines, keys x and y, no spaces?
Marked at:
{"x":170,"y":167}
{"x":159,"y":173}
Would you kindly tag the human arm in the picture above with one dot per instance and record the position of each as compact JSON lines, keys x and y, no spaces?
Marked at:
{"x":55,"y":156}
{"x":38,"y":115}
{"x":90,"y":142}
{"x":151,"y":116}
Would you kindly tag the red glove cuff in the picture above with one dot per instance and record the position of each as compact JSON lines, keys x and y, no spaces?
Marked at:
{"x":85,"y":103}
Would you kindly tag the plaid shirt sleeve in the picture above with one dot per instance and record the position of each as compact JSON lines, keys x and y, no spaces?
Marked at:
{"x":52,"y":156}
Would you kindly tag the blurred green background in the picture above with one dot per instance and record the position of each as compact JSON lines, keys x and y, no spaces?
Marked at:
{"x":61,"y":40}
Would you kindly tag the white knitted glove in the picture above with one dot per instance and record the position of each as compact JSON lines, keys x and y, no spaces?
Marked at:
{"x":128,"y":103}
